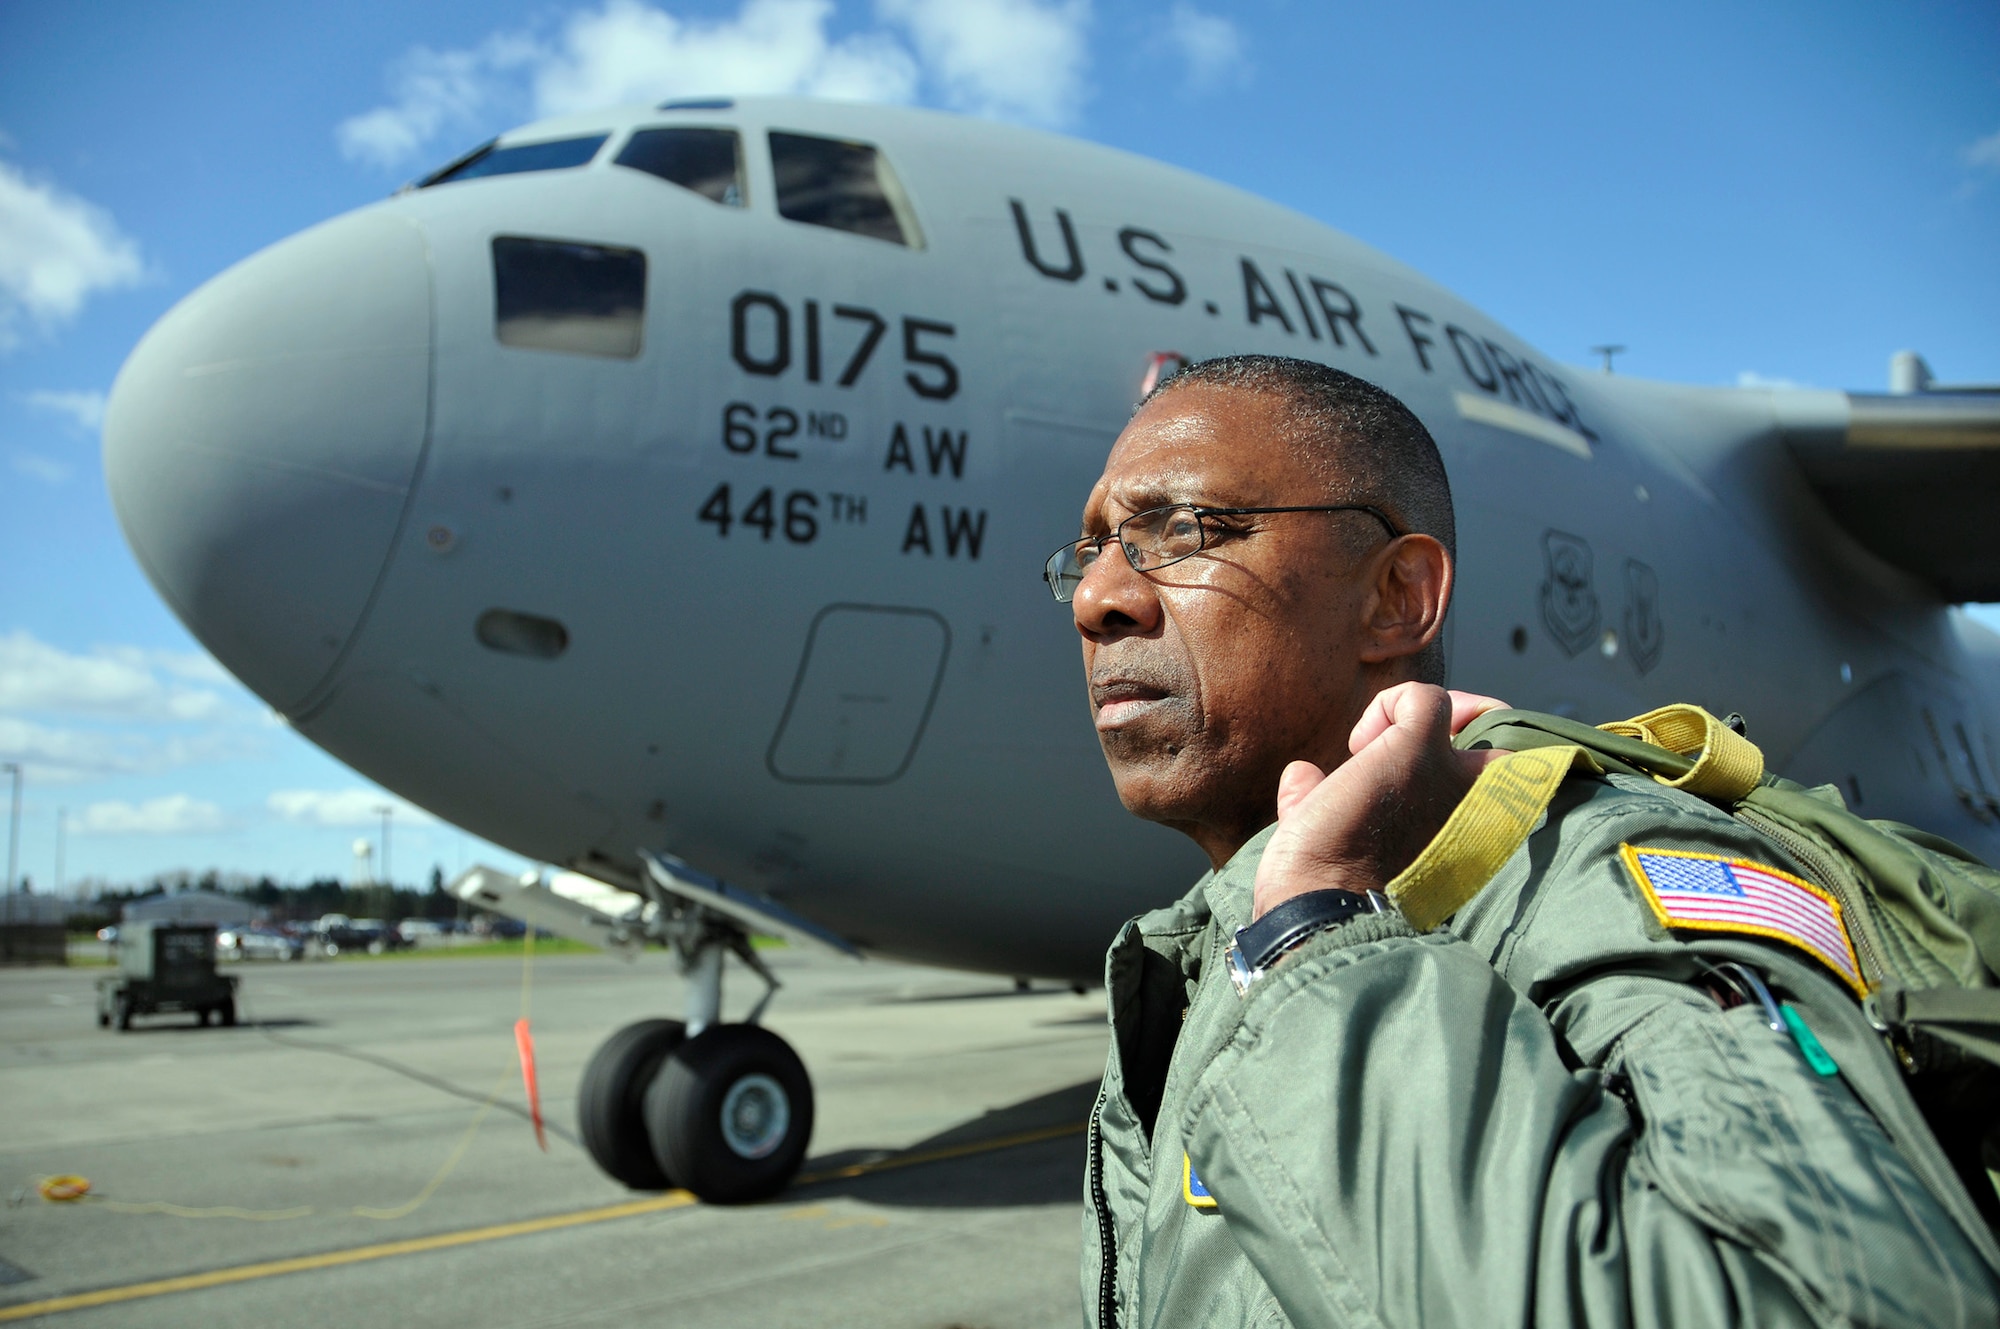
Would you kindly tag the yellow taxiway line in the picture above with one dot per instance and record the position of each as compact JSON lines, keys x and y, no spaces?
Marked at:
{"x":381,"y":1250}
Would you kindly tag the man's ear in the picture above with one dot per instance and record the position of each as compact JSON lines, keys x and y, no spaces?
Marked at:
{"x":1410,"y":590}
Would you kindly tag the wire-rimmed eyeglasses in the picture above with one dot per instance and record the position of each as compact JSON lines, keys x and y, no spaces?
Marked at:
{"x":1160,"y":537}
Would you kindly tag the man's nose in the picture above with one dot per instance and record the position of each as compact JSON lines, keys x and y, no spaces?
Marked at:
{"x":1114,"y":599}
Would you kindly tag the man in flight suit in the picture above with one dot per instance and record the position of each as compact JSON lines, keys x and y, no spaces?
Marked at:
{"x":1552,"y":1110}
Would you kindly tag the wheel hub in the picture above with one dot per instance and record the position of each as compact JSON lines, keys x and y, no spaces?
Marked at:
{"x":756,"y":1113}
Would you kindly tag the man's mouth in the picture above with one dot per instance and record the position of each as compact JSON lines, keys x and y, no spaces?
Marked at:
{"x":1119,"y":700}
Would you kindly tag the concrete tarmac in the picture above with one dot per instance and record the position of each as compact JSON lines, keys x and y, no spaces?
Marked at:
{"x":317,"y":1131}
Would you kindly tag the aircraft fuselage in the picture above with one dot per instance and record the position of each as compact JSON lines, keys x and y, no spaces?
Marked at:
{"x":749,"y":573}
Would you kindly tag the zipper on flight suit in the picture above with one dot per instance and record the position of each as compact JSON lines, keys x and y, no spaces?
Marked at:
{"x":1821,"y":869}
{"x":1107,"y":1277}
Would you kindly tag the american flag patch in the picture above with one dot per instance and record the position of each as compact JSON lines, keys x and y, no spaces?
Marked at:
{"x":1712,"y":893}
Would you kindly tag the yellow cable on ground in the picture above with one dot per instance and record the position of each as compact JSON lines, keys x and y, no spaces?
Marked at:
{"x":213,"y":1211}
{"x":457,"y":1153}
{"x":527,"y":969}
{"x":72,"y":1189}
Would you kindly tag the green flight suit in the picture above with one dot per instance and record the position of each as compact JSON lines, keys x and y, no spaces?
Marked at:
{"x":1531,"y":1116}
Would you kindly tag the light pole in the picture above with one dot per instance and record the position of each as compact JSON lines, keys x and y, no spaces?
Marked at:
{"x":1607,"y":352}
{"x":62,"y":831}
{"x":387,"y":879}
{"x":14,"y":830}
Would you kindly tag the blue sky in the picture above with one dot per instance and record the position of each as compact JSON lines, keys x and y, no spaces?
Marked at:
{"x":1787,"y":192}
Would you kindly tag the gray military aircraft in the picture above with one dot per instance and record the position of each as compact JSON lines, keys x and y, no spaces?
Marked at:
{"x":661,"y":493}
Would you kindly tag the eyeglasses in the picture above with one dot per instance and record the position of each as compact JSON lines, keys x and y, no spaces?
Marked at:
{"x":1160,"y":537}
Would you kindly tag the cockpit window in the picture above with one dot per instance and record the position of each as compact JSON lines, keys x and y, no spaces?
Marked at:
{"x":843,"y":185}
{"x":560,"y":295}
{"x":708,"y":161}
{"x":554,"y":155}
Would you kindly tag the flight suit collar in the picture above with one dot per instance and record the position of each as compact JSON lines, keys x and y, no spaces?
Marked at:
{"x":1230,"y":890}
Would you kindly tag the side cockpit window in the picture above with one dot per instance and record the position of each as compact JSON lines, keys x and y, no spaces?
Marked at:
{"x":554,"y":155}
{"x":842,"y":185}
{"x":707,"y":161}
{"x":561,"y":295}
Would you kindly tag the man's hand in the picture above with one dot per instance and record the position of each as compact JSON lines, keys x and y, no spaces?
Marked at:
{"x":1357,"y":828}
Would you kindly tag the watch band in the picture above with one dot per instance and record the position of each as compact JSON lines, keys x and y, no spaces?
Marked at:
{"x":1258,"y":946}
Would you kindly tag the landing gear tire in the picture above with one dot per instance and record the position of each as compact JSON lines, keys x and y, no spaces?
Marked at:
{"x":611,"y":1102}
{"x":227,"y":1012}
{"x":121,"y":1012}
{"x":730,"y":1114}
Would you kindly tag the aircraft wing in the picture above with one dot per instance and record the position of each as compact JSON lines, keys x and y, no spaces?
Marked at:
{"x":1914,"y":477}
{"x":757,"y":913}
{"x":567,"y":904}
{"x":581,"y":908}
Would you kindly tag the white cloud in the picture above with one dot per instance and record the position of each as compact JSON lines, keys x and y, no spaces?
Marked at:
{"x":175,"y":814}
{"x":193,"y":666}
{"x":434,"y":91}
{"x":1750,"y":378}
{"x":1984,"y":153}
{"x":1012,"y":59}
{"x":56,"y":250}
{"x":343,"y":807}
{"x":625,"y":51}
{"x":111,"y":682}
{"x":628,"y":52}
{"x":1212,"y":46}
{"x":37,"y":467}
{"x":66,"y":755}
{"x":63,"y":755}
{"x":85,"y":408}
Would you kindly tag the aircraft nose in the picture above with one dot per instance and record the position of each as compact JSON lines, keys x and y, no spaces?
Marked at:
{"x":262,"y":439}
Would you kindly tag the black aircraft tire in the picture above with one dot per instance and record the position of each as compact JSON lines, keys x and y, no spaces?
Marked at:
{"x":227,"y":1010}
{"x":731,"y":1113}
{"x":611,"y":1101}
{"x":121,"y":1007}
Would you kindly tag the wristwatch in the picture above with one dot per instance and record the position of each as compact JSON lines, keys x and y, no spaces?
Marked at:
{"x":1258,"y":946}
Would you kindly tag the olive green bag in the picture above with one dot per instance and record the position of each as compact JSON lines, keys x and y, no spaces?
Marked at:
{"x":1924,"y":914}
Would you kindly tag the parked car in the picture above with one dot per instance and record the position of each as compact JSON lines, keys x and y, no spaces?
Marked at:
{"x":370,"y":935}
{"x":420,"y":931}
{"x":245,"y":941}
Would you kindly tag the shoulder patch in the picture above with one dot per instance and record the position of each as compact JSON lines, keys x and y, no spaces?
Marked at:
{"x":1192,"y":1190}
{"x":1715,"y":893}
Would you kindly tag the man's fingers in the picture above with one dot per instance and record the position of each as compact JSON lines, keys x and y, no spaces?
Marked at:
{"x":1469,"y":706}
{"x":1299,"y":780}
{"x":1416,"y":705}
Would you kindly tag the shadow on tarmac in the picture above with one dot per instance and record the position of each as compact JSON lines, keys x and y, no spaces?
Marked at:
{"x":175,"y":1023}
{"x":996,"y":993}
{"x":1046,"y":1171}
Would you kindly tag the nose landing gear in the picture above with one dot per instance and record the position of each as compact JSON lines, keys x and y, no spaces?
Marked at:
{"x":725,"y":1110}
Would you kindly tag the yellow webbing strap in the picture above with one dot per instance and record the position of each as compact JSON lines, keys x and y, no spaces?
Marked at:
{"x":1729,"y":766}
{"x":1482,"y":833}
